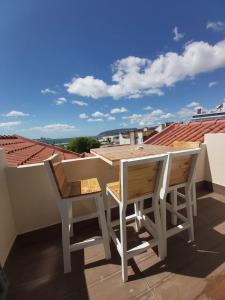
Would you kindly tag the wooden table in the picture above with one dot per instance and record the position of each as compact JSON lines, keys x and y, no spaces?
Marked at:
{"x":113,"y":155}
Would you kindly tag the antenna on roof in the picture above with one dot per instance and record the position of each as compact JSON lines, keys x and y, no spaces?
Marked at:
{"x":219,"y":107}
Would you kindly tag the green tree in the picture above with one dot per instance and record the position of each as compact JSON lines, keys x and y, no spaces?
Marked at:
{"x":83,"y":144}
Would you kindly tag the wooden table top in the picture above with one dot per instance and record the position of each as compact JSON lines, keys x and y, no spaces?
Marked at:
{"x":113,"y":155}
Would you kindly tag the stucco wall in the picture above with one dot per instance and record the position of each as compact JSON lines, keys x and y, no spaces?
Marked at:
{"x":202,"y":165}
{"x":32,"y":198}
{"x":216,"y":158}
{"x":7,"y":225}
{"x":33,"y":202}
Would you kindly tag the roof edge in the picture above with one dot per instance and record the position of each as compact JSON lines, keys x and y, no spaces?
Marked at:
{"x":48,"y":145}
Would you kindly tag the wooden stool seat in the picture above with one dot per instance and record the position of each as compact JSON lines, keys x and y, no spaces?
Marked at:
{"x":115,"y":188}
{"x":81,"y":187}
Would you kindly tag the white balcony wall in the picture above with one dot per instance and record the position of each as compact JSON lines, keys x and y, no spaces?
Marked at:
{"x":202,"y":165}
{"x":7,"y":225}
{"x":216,"y":158}
{"x":31,"y":194}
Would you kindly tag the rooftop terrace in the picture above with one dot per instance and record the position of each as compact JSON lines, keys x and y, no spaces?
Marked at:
{"x":30,"y":233}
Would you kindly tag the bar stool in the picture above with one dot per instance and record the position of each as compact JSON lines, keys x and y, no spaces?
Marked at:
{"x":179,"y":173}
{"x":175,"y":193}
{"x":140,"y":178}
{"x":66,"y":193}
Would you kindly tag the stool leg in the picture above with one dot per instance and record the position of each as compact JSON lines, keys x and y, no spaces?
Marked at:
{"x":158,"y":225}
{"x":173,"y":196}
{"x":99,"y":220}
{"x":108,"y":212}
{"x":194,"y":200}
{"x":164,"y":225}
{"x":123,"y":239}
{"x":101,"y":211}
{"x":141,"y":211}
{"x":66,"y":239}
{"x":189,"y":214}
{"x":70,"y":207}
{"x":137,"y":213}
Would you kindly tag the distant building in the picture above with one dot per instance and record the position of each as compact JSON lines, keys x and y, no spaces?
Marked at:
{"x":133,"y":137}
{"x":162,"y":126}
{"x":202,"y":114}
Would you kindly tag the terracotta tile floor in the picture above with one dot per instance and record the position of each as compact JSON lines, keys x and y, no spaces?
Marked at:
{"x":191,"y":271}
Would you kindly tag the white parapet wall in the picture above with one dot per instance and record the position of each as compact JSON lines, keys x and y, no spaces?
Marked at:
{"x":202,"y":165}
{"x":32,"y":199}
{"x":7,"y":225}
{"x":33,"y":202}
{"x":216,"y":158}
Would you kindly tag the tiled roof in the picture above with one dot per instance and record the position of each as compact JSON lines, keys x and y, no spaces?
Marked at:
{"x":193,"y":131}
{"x":20,"y":151}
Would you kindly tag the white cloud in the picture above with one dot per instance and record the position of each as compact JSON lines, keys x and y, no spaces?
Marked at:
{"x":185,"y":112}
{"x":54,"y":128}
{"x":83,"y":116}
{"x":8,"y":125}
{"x":95,"y":120}
{"x":87,"y":86}
{"x":97,"y":114}
{"x":193,"y":104}
{"x":48,"y":91}
{"x":118,"y":110}
{"x":15,"y":113}
{"x":111,"y":118}
{"x":60,"y":101}
{"x":212,"y":83}
{"x":96,"y":117}
{"x":167,"y":116}
{"x":156,"y":112}
{"x":132,"y":117}
{"x":216,"y":26}
{"x":79,"y":102}
{"x":153,"y":118}
{"x":135,"y":77}
{"x":177,"y":35}
{"x":148,"y":107}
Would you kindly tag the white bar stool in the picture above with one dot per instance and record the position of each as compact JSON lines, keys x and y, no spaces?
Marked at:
{"x":140,"y":179}
{"x":66,"y":193}
{"x":179,"y":173}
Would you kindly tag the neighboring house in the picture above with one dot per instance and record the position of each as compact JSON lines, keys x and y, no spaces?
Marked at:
{"x":20,"y":150}
{"x":133,"y":137}
{"x":162,"y":126}
{"x":192,"y":131}
{"x":124,"y":139}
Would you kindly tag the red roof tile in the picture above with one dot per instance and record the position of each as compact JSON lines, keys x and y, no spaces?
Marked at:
{"x":20,"y":150}
{"x":193,"y":131}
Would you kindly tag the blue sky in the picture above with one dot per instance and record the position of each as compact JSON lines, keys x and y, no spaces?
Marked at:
{"x":72,"y":68}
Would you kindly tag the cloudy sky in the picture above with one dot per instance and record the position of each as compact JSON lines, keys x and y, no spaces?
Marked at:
{"x":79,"y":67}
